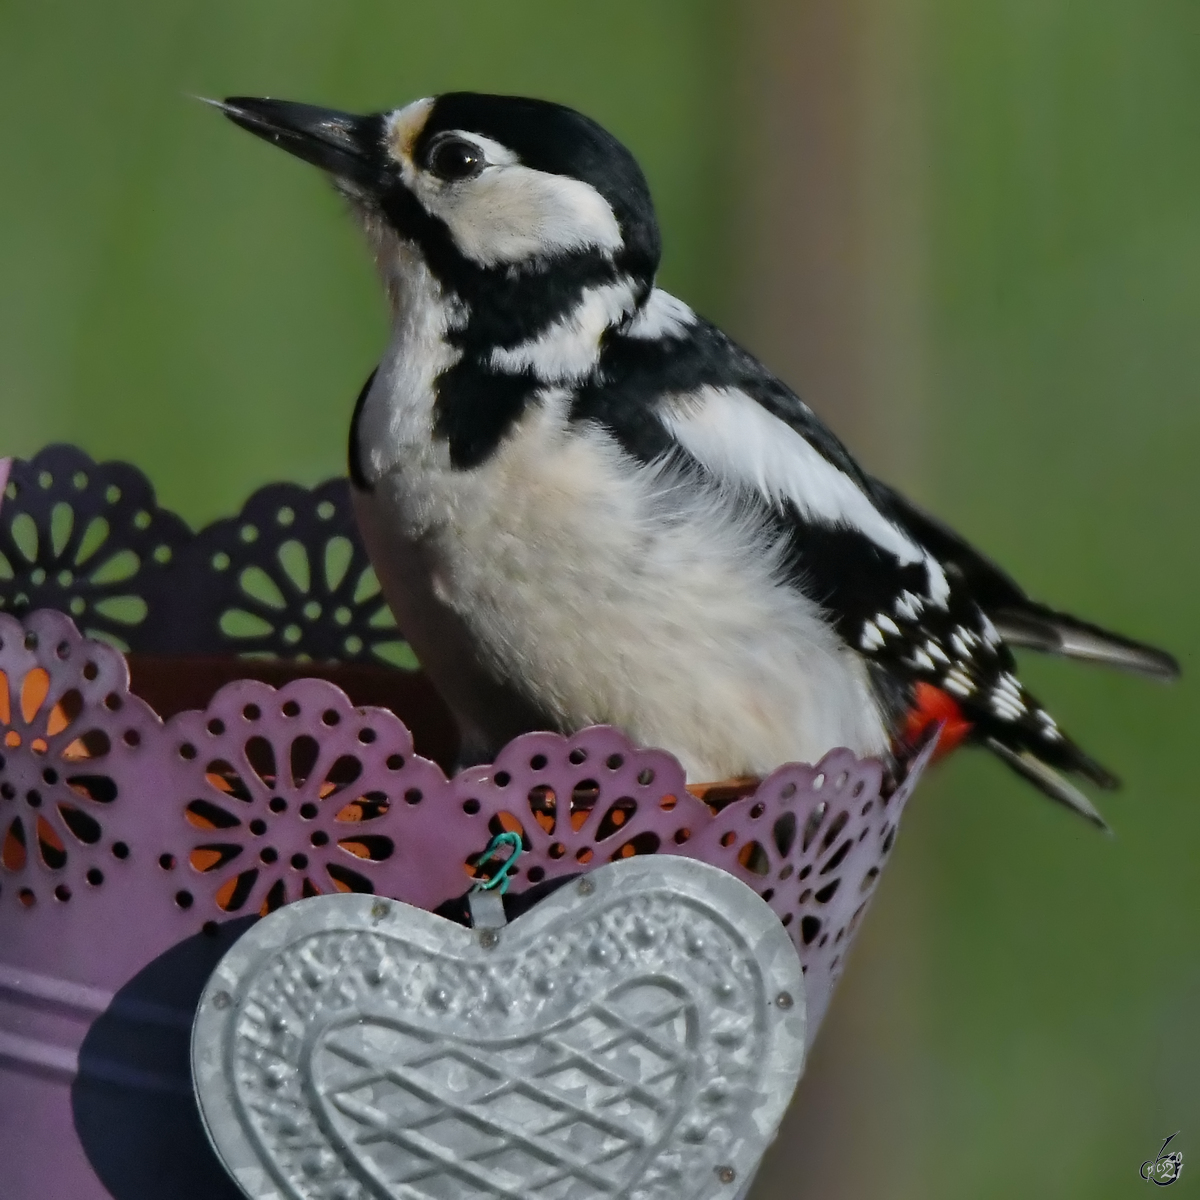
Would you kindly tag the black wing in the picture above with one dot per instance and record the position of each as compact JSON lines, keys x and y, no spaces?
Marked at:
{"x":899,"y":587}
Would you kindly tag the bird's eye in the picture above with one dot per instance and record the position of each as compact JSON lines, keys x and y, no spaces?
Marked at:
{"x":455,"y":158}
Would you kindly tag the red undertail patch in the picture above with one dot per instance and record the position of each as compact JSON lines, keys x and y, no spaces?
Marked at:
{"x":932,"y":706}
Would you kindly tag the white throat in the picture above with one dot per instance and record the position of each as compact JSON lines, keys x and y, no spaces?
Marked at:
{"x":396,"y":419}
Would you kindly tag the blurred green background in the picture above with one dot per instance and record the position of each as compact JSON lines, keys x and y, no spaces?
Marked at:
{"x":969,"y":234}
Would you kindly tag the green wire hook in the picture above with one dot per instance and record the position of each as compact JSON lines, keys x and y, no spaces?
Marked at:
{"x":500,"y":879}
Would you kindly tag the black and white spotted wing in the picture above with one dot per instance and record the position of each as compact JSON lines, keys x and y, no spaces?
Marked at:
{"x":698,"y":397}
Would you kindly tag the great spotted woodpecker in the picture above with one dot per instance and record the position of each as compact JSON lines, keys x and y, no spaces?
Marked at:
{"x":586,"y":504}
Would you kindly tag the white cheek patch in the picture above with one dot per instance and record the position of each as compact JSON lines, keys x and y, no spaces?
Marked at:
{"x":511,"y":213}
{"x":739,"y":441}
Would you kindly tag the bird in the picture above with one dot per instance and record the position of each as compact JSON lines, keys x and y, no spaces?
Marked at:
{"x":586,"y":504}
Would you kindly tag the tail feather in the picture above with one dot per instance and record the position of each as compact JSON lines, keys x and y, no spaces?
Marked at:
{"x":1026,"y":738}
{"x":1036,"y":749}
{"x":1035,"y":627}
{"x":1047,"y":780}
{"x":1011,"y":723}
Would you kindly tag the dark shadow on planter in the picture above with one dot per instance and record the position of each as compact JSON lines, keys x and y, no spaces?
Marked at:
{"x":132,"y":1100}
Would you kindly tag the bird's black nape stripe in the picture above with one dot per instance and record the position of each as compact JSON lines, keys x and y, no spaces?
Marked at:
{"x":353,"y":456}
{"x":508,"y":306}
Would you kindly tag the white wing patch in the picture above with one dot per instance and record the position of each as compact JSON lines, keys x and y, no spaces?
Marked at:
{"x":908,"y":605}
{"x":939,"y":585}
{"x":570,"y":348}
{"x":738,"y":440}
{"x":662,"y":316}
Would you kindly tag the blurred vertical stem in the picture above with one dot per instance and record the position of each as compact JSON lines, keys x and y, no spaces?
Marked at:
{"x":830,"y":241}
{"x":830,"y":223}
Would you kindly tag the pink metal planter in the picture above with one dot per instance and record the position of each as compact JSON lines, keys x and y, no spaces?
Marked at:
{"x":134,"y":849}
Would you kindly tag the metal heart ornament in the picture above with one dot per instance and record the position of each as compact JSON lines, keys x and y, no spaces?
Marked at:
{"x":639,"y":1033}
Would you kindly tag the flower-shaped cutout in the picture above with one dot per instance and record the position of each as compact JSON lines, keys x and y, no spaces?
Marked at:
{"x":69,"y":729}
{"x":812,"y":841}
{"x":617,"y":804}
{"x":86,"y":539}
{"x":287,"y":578}
{"x":271,"y":795}
{"x":290,"y":793}
{"x":293,"y":580}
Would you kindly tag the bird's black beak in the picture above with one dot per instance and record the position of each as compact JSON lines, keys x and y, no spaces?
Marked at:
{"x":347,"y":146}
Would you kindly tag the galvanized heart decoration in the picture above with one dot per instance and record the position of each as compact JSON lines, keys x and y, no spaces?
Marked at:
{"x":638,"y":1033}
